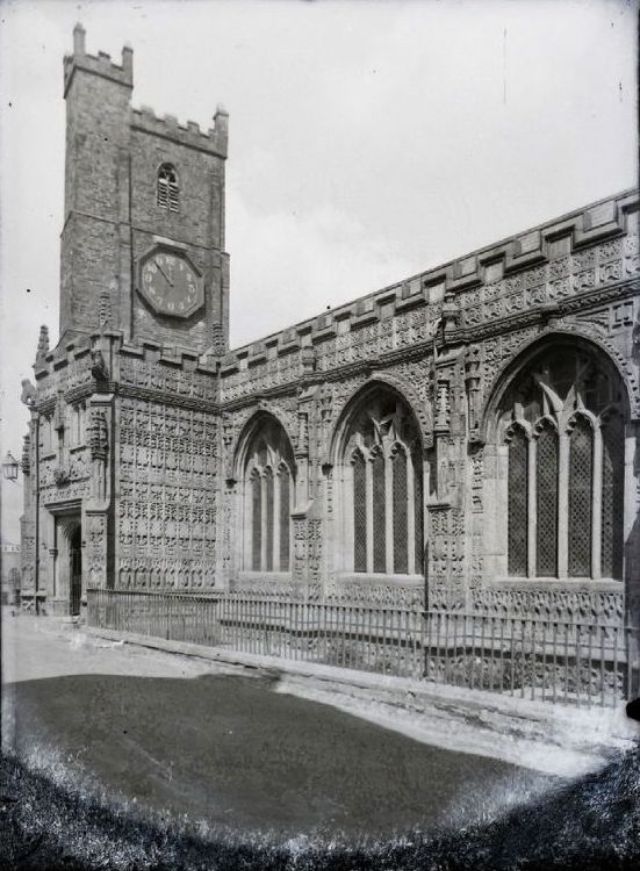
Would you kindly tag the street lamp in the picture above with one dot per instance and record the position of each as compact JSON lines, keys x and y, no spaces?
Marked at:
{"x":10,"y":467}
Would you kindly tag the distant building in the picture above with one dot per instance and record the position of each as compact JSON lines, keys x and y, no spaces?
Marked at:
{"x":10,"y":561}
{"x":465,"y":439}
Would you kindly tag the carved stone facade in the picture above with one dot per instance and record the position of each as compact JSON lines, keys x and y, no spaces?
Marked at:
{"x":362,"y":456}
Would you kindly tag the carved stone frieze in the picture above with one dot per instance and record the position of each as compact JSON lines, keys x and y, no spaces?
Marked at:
{"x":375,"y":593}
{"x":446,"y":588}
{"x":167,"y":514}
{"x":552,"y":604}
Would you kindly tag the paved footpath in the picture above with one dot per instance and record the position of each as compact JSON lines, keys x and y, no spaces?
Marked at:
{"x":223,"y":743}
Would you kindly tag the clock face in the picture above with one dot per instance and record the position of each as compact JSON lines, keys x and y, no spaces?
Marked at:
{"x":170,"y":283}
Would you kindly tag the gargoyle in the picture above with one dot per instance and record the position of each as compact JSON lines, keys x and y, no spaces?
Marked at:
{"x":29,"y":393}
{"x":99,"y":368}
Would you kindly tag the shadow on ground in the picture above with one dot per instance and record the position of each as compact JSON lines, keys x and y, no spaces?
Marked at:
{"x":230,"y":751}
{"x":592,"y":825}
{"x":265,"y":781}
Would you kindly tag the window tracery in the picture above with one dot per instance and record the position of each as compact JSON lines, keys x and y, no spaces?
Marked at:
{"x":563,"y":431}
{"x":382,"y":490}
{"x":268,"y":494}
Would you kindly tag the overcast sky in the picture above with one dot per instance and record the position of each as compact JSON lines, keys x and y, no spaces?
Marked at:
{"x":368,"y":140}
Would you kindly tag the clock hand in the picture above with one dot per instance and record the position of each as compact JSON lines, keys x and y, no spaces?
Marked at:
{"x":163,"y":272}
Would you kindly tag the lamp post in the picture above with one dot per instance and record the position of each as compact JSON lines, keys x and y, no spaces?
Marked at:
{"x":10,"y":467}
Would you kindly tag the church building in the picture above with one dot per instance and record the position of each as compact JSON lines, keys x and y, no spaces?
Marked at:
{"x":465,"y":440}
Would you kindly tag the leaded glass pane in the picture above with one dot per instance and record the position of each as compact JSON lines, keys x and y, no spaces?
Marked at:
{"x":612,"y":497}
{"x":547,"y":503}
{"x":269,"y":542}
{"x":419,"y":519}
{"x":580,"y":484}
{"x":284,"y":520}
{"x":400,"y":531}
{"x":379,"y":514}
{"x":359,"y":514}
{"x":518,"y":516}
{"x":256,"y":523}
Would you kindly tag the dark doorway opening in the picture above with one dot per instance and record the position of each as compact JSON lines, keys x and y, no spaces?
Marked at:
{"x":75,"y":557}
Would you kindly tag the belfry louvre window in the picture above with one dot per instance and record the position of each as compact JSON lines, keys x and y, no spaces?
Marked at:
{"x":382,"y":489}
{"x":168,"y":191}
{"x":563,"y":430}
{"x":268,"y":494}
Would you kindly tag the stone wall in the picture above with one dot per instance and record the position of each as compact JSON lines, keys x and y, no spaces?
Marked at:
{"x":167,"y":505}
{"x":446,"y":341}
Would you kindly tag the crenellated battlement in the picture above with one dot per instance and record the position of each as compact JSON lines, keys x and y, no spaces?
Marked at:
{"x":540,"y":268}
{"x":100,"y":65}
{"x":214,"y":140}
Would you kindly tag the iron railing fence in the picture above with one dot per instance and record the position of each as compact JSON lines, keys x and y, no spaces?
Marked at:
{"x":535,"y":658}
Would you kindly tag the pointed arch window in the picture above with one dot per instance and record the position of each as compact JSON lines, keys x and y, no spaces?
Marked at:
{"x":382,"y":489}
{"x":168,"y":192}
{"x":563,"y":429}
{"x":268,"y":494}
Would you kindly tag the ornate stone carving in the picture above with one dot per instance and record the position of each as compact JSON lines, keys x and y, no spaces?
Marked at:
{"x":446,"y":558}
{"x":98,"y":435}
{"x":26,"y":455}
{"x":43,"y":343}
{"x":167,"y":510}
{"x":104,"y":310}
{"x":99,"y":368}
{"x":555,"y":603}
{"x":61,"y":476}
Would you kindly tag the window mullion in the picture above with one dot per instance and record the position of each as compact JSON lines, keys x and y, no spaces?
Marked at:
{"x":532,"y":509}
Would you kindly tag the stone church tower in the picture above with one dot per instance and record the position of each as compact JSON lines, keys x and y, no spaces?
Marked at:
{"x":143,"y":217}
{"x":144,"y":311}
{"x":465,"y":440}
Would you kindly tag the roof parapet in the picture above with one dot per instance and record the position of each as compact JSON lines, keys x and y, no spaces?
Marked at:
{"x":214,"y":140}
{"x":590,"y":225}
{"x":102,"y":65}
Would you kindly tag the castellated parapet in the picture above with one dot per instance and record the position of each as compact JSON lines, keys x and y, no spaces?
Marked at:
{"x":144,"y":118}
{"x":214,"y":140}
{"x":539,"y":274}
{"x":100,"y":65}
